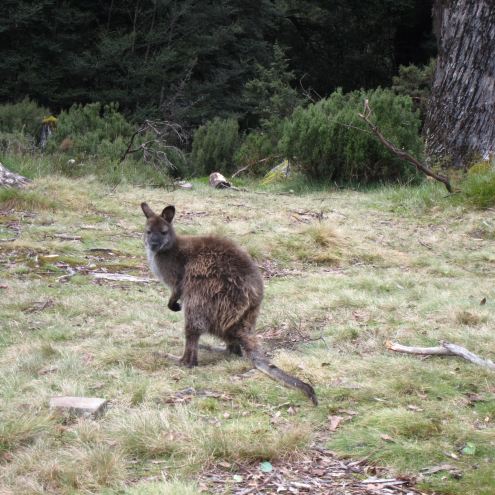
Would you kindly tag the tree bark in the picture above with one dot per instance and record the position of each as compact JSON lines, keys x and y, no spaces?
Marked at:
{"x":460,"y":121}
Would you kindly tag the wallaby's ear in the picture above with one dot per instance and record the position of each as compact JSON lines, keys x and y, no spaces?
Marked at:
{"x":148,"y":212}
{"x":168,"y":213}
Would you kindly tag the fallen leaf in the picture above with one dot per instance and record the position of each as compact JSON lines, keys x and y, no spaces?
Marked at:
{"x":483,"y":301}
{"x":266,"y":467}
{"x":387,"y":438}
{"x":225,"y":464}
{"x":469,"y":449}
{"x":4,"y":286}
{"x":335,"y":422}
{"x":237,"y":478}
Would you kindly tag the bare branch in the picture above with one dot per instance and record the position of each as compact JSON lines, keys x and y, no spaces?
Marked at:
{"x":401,"y":154}
{"x":446,"y":349}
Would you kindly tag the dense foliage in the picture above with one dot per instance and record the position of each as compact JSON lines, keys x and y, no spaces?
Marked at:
{"x":189,"y":61}
{"x":331,"y":142}
{"x":92,"y":130}
{"x":214,"y":145}
{"x":245,"y":81}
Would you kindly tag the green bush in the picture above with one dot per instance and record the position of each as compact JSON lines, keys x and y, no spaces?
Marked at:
{"x":415,"y":82}
{"x":23,"y":117}
{"x":12,"y":143}
{"x":478,"y":189}
{"x":214,"y":145}
{"x":331,"y":142}
{"x":92,"y":130}
{"x":258,"y":152}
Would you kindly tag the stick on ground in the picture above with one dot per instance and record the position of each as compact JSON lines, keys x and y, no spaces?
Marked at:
{"x":445,"y":349}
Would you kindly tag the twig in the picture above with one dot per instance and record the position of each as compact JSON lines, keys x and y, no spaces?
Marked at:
{"x":401,"y":154}
{"x":251,"y":164}
{"x":445,"y":349}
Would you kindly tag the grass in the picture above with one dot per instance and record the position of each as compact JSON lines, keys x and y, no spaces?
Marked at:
{"x":345,"y":272}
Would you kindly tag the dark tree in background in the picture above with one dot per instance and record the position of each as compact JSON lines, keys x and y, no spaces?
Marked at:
{"x":460,"y":123}
{"x":190,"y":60}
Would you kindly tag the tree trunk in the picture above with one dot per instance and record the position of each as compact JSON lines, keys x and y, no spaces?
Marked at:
{"x":460,"y":122}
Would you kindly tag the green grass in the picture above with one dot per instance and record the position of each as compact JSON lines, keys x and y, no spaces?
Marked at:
{"x":346,"y":272}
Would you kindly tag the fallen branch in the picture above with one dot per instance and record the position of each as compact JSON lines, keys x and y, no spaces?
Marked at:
{"x":445,"y":349}
{"x":401,"y":154}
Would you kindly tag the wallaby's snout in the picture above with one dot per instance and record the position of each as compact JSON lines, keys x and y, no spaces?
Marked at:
{"x":155,"y":242}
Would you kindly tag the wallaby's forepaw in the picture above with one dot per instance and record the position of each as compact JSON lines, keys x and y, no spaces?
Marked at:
{"x":174,"y":306}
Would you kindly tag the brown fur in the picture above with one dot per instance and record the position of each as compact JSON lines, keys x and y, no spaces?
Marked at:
{"x":220,"y":289}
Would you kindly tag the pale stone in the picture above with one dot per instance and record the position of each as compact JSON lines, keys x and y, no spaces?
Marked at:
{"x":79,"y":406}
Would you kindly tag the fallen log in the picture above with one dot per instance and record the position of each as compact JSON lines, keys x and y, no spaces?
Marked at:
{"x":445,"y":349}
{"x":10,"y":179}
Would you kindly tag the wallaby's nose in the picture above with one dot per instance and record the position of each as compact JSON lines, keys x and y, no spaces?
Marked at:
{"x":155,"y":243}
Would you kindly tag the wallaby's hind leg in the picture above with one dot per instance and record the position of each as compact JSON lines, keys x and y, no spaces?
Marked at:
{"x":234,"y":348}
{"x":190,"y":356}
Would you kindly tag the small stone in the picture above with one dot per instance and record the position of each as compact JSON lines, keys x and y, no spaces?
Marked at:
{"x":79,"y":406}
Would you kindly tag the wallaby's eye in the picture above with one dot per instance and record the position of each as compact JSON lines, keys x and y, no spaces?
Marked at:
{"x":164,"y":232}
{"x":148,"y":231}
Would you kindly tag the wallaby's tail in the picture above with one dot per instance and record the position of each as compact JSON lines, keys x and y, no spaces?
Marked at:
{"x":265,"y":366}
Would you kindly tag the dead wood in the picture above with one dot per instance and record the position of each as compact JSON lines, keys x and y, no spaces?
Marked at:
{"x":401,"y":154}
{"x":445,"y":349}
{"x":10,"y":179}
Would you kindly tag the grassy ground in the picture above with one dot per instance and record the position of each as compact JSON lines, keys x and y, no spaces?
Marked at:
{"x":345,"y":272}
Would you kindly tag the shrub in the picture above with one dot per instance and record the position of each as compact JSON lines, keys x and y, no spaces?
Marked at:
{"x":16,"y":143}
{"x":258,"y":152}
{"x":214,"y":145}
{"x":24,"y":117}
{"x":331,"y":142}
{"x":478,"y":189}
{"x":92,"y":130}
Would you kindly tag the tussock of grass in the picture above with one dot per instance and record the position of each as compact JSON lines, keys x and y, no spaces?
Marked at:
{"x":469,"y":318}
{"x":153,"y":434}
{"x":164,"y":488}
{"x":478,"y":189}
{"x":317,"y":243}
{"x":22,"y":199}
{"x":21,"y":429}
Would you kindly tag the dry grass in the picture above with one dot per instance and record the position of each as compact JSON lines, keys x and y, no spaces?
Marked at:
{"x":345,"y":273}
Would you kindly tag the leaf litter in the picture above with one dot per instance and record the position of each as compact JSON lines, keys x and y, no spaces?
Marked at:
{"x":318,"y":471}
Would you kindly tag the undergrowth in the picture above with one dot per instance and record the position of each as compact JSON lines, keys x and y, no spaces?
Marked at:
{"x":345,"y":271}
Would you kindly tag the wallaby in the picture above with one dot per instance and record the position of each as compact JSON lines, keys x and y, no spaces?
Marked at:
{"x":220,"y":289}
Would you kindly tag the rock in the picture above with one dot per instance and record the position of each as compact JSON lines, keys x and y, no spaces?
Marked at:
{"x":79,"y":406}
{"x":278,"y":173}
